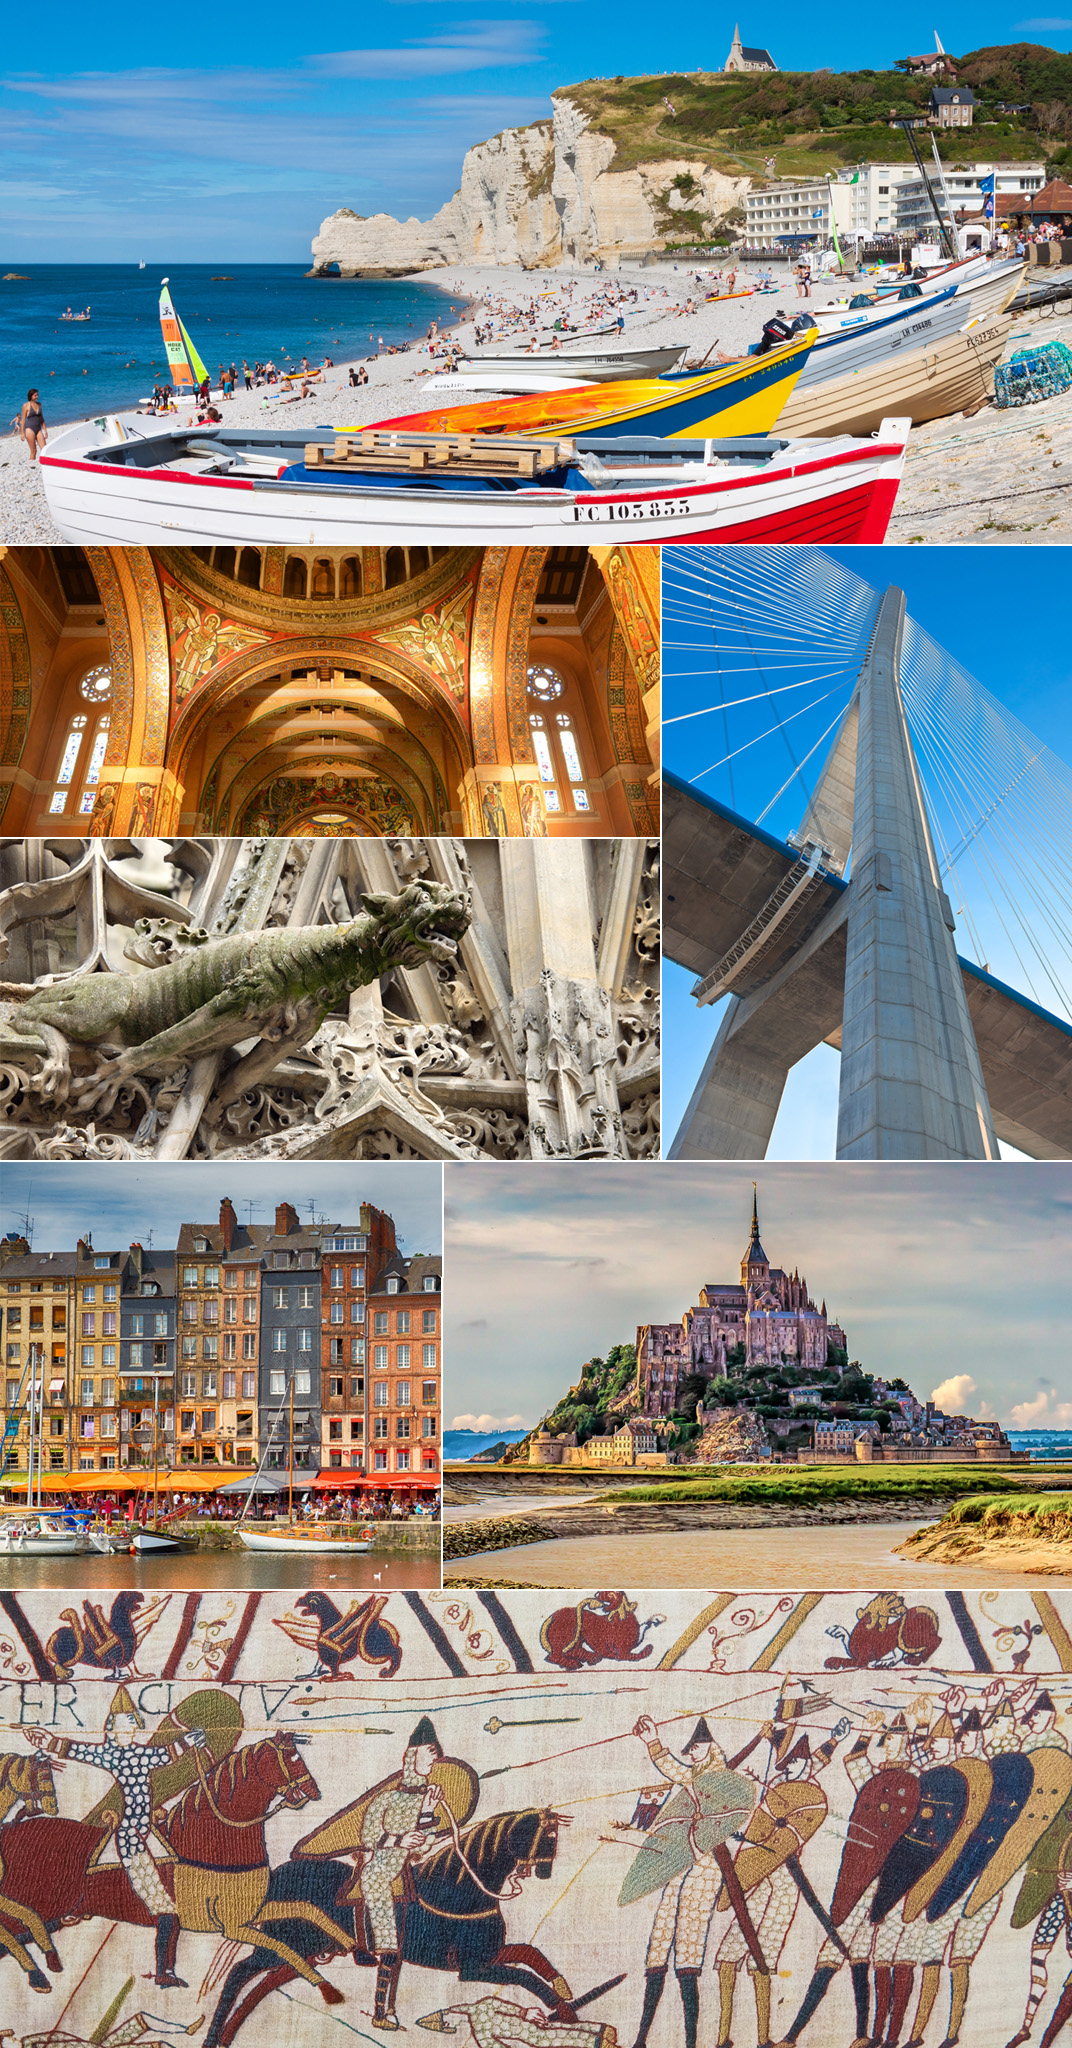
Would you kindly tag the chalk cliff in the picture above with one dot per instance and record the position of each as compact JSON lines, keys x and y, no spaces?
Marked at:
{"x":534,"y":198}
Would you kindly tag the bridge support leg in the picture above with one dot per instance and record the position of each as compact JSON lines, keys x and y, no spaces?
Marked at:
{"x":911,"y":1081}
{"x":735,"y":1101}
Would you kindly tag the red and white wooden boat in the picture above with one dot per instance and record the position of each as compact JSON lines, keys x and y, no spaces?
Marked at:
{"x":205,"y":485}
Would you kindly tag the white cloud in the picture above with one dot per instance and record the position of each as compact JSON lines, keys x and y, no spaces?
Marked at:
{"x":1044,"y":21}
{"x":478,"y":47}
{"x":953,"y":1394}
{"x":482,"y":1424}
{"x":1041,"y":1412}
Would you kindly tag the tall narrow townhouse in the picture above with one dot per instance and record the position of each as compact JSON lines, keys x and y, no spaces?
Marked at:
{"x":405,"y":1338}
{"x":354,"y":1255}
{"x":98,"y":1277}
{"x":37,"y":1311}
{"x":290,"y":1382}
{"x":148,"y":1320}
{"x":242,"y":1269}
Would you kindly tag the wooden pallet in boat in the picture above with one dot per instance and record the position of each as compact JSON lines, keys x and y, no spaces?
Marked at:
{"x":952,"y":375}
{"x":474,"y":454}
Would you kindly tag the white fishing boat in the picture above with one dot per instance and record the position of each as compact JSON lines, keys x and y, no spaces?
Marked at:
{"x":952,"y":374}
{"x":307,"y":1538}
{"x":204,"y":485}
{"x":901,"y":330}
{"x":521,"y":371}
{"x":988,"y":288}
{"x":40,"y":1535}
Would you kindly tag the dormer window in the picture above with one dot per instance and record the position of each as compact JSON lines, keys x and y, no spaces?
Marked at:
{"x":200,"y":1244}
{"x":101,"y":1265}
{"x":430,"y":1283}
{"x":392,"y":1284}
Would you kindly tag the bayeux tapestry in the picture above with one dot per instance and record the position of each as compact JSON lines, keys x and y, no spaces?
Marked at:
{"x":535,"y":1820}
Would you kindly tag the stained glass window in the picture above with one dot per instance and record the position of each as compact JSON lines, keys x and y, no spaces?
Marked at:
{"x":100,"y":748}
{"x":569,"y":749}
{"x":542,"y":750}
{"x":97,"y":686}
{"x":71,"y":751}
{"x":545,"y":684}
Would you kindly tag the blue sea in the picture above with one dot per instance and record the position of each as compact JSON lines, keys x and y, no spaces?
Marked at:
{"x":255,"y":310}
{"x":1042,"y":1443}
{"x":465,"y":1443}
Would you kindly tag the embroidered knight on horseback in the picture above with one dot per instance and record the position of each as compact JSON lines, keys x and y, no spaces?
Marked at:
{"x":390,"y":1830}
{"x":129,"y":1763}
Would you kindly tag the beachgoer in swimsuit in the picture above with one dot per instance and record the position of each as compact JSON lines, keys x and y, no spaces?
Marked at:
{"x":32,"y":423}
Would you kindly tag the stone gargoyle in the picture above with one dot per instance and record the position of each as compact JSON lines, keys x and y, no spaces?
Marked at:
{"x":275,"y":986}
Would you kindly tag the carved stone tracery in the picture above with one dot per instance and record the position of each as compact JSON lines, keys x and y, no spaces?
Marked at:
{"x":466,"y":1056}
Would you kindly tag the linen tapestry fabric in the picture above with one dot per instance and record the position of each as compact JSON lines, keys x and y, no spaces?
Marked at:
{"x":535,"y":1819}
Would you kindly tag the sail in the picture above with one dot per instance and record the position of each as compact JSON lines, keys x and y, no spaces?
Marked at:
{"x":187,"y":369}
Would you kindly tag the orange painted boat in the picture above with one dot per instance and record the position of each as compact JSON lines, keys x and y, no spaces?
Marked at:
{"x":744,"y":397}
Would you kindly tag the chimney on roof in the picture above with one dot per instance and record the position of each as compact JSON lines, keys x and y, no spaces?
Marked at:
{"x":228,"y":1222}
{"x":136,"y":1258}
{"x":85,"y":1246}
{"x":286,"y":1219}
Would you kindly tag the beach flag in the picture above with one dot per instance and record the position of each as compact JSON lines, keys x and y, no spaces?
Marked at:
{"x":987,"y":187}
{"x":187,"y":369}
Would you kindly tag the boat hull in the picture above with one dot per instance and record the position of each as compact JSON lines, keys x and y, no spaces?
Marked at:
{"x":148,"y":1543}
{"x":928,"y":384}
{"x":307,"y":1546}
{"x":806,"y":491}
{"x":583,"y":366}
{"x":881,"y":341}
{"x":984,"y":294}
{"x":744,"y":397}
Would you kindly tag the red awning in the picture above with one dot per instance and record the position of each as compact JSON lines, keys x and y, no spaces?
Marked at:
{"x":329,"y":1481}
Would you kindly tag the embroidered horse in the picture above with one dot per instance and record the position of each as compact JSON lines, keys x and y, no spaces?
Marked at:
{"x":219,"y":1873}
{"x":451,"y":1920}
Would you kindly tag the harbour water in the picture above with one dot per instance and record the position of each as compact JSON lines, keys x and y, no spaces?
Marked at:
{"x":857,"y":1557}
{"x":260,"y":311}
{"x":240,"y":1571}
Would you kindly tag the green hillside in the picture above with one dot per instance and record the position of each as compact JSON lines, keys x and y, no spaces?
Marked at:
{"x":814,"y":121}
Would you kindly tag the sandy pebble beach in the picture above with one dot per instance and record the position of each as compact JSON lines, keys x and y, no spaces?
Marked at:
{"x":999,"y":479}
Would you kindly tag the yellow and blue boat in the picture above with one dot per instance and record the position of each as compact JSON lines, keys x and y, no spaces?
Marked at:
{"x":744,"y":397}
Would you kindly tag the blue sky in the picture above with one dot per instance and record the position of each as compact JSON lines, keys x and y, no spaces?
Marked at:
{"x":929,"y":1269}
{"x":975,"y":603}
{"x":128,"y":132}
{"x":120,"y":1203}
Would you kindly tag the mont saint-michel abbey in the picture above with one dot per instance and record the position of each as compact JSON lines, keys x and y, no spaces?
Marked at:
{"x":769,"y":1312}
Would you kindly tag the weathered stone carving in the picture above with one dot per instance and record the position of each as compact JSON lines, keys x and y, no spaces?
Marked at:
{"x":348,"y":999}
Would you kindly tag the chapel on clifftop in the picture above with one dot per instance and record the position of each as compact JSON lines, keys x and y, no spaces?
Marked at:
{"x":742,"y":58}
{"x":769,"y":1311}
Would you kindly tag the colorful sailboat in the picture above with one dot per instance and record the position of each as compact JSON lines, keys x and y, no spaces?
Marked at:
{"x":187,"y":369}
{"x":744,"y":397}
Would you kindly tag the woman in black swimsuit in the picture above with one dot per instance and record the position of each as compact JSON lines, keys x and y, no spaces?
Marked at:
{"x":32,"y":423}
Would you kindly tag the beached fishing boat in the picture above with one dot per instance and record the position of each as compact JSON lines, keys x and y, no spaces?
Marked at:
{"x":900,"y":330}
{"x":524,"y":372}
{"x":988,"y":290}
{"x":742,"y":397}
{"x":950,"y":375}
{"x":212,"y":484}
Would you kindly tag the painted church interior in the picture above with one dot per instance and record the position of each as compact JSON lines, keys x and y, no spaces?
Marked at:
{"x":500,"y":692}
